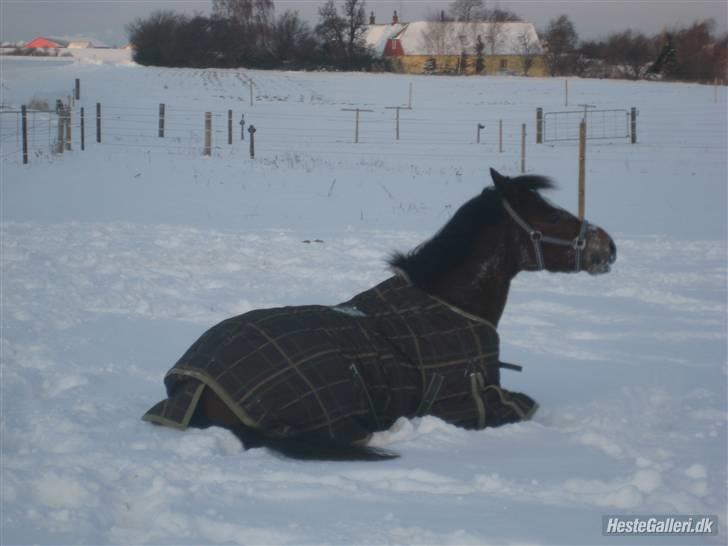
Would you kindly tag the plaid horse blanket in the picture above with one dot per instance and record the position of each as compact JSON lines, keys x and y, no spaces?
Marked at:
{"x":348,"y":370}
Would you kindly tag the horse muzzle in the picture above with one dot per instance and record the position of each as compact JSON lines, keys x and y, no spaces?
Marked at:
{"x":601,"y":253}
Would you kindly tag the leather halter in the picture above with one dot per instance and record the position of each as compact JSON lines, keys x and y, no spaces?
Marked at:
{"x":537,"y":238}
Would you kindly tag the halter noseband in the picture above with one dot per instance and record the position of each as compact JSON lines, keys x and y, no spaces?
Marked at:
{"x":537,"y":238}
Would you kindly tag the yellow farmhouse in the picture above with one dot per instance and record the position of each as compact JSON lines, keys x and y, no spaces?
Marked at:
{"x":436,"y":47}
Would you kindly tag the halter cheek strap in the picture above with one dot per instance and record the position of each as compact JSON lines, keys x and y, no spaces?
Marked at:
{"x":538,"y":239}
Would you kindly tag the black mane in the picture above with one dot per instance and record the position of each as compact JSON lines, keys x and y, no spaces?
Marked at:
{"x":430,"y":261}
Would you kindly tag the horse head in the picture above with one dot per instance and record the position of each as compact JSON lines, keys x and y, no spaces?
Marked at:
{"x":548,"y":236}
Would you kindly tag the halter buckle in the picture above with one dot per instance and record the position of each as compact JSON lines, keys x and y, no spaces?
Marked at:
{"x":536,"y":236}
{"x":580,"y":243}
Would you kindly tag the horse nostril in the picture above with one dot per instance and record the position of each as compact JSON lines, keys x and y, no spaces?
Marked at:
{"x":612,"y":252}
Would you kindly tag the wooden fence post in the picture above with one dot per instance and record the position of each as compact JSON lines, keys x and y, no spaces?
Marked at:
{"x":98,"y":122}
{"x":480,"y":128}
{"x":633,"y":125}
{"x":208,"y":134}
{"x":500,"y":136}
{"x":230,"y":127}
{"x":69,"y":127}
{"x":715,"y":90}
{"x":162,"y":114}
{"x":566,"y":92}
{"x":24,"y":114}
{"x":251,"y":93}
{"x":252,"y":130}
{"x":61,"y":132}
{"x":242,"y":127}
{"x":582,"y":168}
{"x":523,"y":148}
{"x":78,"y":89}
{"x":539,"y":125}
{"x":83,"y":131}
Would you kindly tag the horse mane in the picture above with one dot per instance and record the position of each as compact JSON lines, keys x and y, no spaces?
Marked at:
{"x":449,"y":247}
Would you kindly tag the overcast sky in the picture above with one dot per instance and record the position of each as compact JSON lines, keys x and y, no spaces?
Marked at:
{"x":105,"y":19}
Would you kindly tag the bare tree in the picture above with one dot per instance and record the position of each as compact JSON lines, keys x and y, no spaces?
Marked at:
{"x":343,"y":35}
{"x":498,"y":15}
{"x":561,"y":39}
{"x":528,"y":50}
{"x":331,"y":28}
{"x":437,"y":37}
{"x":356,"y":21}
{"x":479,"y":58}
{"x":494,"y":36}
{"x":630,"y":53}
{"x":291,"y":36}
{"x":245,"y":12}
{"x":467,"y":10}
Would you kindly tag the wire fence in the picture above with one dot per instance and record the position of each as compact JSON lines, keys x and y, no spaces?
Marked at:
{"x":41,"y":133}
{"x":328,"y":131}
{"x":184,"y":131}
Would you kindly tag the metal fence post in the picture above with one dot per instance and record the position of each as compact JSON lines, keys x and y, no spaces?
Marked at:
{"x":162,"y":114}
{"x":633,"y":124}
{"x":252,"y":130}
{"x":539,"y":125}
{"x":59,"y":135}
{"x":83,"y":131}
{"x":24,"y":114}
{"x":208,"y":134}
{"x":98,"y":122}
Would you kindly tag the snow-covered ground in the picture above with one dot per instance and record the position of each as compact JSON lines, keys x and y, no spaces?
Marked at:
{"x":116,"y":258}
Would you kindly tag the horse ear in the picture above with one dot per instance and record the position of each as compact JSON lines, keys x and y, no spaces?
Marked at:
{"x":500,"y":181}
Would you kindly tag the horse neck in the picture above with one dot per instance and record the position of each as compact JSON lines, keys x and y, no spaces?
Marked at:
{"x":480,"y":284}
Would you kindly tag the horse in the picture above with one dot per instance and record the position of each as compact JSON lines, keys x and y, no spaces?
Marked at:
{"x":315,"y":381}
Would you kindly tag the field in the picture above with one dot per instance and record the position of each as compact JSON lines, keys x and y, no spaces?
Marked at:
{"x":116,"y":258}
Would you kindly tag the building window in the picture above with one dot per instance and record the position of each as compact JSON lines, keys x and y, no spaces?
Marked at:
{"x":504,"y":64}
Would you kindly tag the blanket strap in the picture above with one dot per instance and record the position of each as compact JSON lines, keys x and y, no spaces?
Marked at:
{"x":477,"y":384}
{"x":430,"y":394}
{"x":355,"y":372}
{"x":507,"y":366}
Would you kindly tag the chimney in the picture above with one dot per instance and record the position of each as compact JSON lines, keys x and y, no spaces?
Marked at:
{"x":372,"y":20}
{"x":395,"y":18}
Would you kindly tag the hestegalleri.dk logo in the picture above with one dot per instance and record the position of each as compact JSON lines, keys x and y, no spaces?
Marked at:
{"x":676,"y":525}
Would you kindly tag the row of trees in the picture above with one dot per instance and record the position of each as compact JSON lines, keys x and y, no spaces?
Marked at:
{"x":692,"y":53}
{"x":248,"y":33}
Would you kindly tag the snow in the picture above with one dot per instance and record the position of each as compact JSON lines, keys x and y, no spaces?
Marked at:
{"x":115,"y":259}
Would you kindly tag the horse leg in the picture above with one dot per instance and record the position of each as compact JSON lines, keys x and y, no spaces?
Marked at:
{"x":211,"y":411}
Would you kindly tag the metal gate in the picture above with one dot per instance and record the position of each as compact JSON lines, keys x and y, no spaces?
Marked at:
{"x":600,"y":124}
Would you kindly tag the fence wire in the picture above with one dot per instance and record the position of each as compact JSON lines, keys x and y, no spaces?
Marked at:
{"x":333,"y":131}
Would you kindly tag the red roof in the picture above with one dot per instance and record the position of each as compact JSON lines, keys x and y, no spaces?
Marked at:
{"x":44,"y":43}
